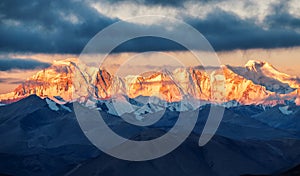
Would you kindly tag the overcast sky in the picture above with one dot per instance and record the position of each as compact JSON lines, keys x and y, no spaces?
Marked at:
{"x":34,"y":32}
{"x":65,"y":26}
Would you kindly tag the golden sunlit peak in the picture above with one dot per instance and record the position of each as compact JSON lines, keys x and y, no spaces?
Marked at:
{"x":253,"y":63}
{"x":66,"y":61}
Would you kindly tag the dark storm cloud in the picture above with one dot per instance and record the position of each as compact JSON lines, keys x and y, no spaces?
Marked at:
{"x":43,"y":26}
{"x":226,"y":31}
{"x":143,"y":44}
{"x":281,"y":18}
{"x":63,"y":26}
{"x":21,"y":64}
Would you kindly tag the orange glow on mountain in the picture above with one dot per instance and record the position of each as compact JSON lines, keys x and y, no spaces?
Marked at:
{"x":251,"y":84}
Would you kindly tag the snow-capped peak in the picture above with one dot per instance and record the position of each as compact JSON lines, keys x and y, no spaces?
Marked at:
{"x":253,"y":64}
{"x":267,"y":75}
{"x":258,"y":83}
{"x":265,"y":68}
{"x":67,"y":61}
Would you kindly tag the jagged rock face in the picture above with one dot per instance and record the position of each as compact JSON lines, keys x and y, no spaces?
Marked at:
{"x":107,"y":85}
{"x":157,"y":84}
{"x":103,"y":83}
{"x":243,"y":90}
{"x":56,"y":80}
{"x":193,"y":82}
{"x":72,"y":80}
{"x":69,"y":80}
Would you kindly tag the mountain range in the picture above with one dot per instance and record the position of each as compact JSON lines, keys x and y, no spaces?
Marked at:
{"x":71,"y":80}
{"x":258,"y":135}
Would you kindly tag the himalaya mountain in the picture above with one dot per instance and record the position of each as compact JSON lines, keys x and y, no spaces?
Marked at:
{"x":258,"y":135}
{"x":70,"y":80}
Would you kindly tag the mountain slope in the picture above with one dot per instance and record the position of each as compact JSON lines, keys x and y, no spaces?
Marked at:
{"x":41,"y":141}
{"x":265,"y":74}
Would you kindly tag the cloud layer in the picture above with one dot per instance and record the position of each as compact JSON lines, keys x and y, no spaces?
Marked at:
{"x":63,"y":26}
{"x":21,"y":64}
{"x":59,"y":26}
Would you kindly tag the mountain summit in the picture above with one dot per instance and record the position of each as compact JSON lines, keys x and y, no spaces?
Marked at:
{"x":253,"y":64}
{"x":70,"y":80}
{"x":267,"y":75}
